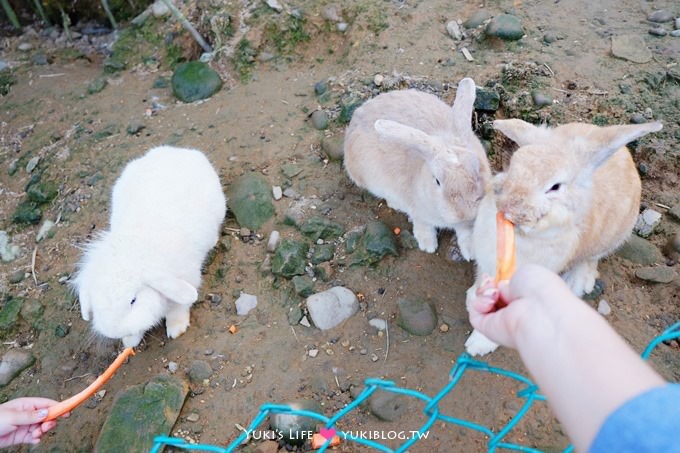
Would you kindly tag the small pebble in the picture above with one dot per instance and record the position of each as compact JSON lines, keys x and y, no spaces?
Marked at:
{"x":244,"y":232}
{"x":313,"y":353}
{"x":638,"y":118}
{"x":603,"y":308}
{"x":453,"y":29}
{"x":675,"y":33}
{"x":378,"y":79}
{"x":363,"y":351}
{"x":319,"y":120}
{"x":273,"y":242}
{"x":290,"y":193}
{"x":277,"y":192}
{"x":660,"y":16}
{"x":444,"y":328}
{"x":305,"y":322}
{"x":319,"y":241}
{"x":32,"y":163}
{"x":658,"y":31}
{"x":329,"y":352}
{"x":378,"y":323}
{"x":193,"y":417}
{"x":342,"y":26}
{"x":374,"y":357}
{"x":25,"y":46}
{"x":209,"y":352}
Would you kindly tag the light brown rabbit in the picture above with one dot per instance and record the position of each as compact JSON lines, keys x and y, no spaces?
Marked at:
{"x":573,"y":193}
{"x":422,"y":157}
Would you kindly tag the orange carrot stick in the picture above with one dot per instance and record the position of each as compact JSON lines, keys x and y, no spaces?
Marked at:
{"x":505,"y":248}
{"x":77,"y":399}
{"x":505,"y":252}
{"x":318,"y":441}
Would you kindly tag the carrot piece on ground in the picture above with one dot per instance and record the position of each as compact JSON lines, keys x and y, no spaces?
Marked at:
{"x":69,"y":404}
{"x":505,"y":248}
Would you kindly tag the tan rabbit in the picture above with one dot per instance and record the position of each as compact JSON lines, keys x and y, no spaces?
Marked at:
{"x":573,"y":193}
{"x":422,"y":157}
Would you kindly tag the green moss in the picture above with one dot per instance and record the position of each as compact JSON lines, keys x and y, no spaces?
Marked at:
{"x":7,"y":79}
{"x":244,"y":57}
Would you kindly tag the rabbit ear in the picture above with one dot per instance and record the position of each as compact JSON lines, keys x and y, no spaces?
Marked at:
{"x":407,"y":135}
{"x":463,"y":106}
{"x":173,"y":288}
{"x":605,"y":141}
{"x":521,"y":132}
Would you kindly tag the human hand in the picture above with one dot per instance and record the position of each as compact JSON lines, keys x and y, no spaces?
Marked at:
{"x":21,"y":420}
{"x":533,"y":299}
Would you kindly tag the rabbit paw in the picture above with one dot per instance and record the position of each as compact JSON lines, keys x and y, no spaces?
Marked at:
{"x":426,"y":237}
{"x":177,"y":322}
{"x":581,"y":278}
{"x":131,"y":341}
{"x":478,"y":344}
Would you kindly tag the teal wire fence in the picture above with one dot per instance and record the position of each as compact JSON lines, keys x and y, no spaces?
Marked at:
{"x":529,"y":394}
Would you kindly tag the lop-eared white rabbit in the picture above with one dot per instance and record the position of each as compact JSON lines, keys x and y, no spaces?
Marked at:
{"x":573,"y":193}
{"x":423,"y":158}
{"x":166,"y":210}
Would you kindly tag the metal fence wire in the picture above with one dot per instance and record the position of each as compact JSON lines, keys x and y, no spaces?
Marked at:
{"x":529,"y":393}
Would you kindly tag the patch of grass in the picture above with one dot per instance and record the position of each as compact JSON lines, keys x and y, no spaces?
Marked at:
{"x":287,"y":36}
{"x":244,"y":58}
{"x":7,"y":79}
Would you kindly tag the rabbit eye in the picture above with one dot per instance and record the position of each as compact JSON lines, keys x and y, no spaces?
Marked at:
{"x":437,"y":181}
{"x":555,"y":187}
{"x":132,"y":302}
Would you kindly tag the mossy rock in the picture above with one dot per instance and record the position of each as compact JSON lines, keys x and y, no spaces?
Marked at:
{"x":42,"y":192}
{"x":290,"y":258}
{"x":195,"y":80}
{"x":321,"y":228}
{"x":9,"y":314}
{"x":250,"y":199}
{"x":27,"y":212}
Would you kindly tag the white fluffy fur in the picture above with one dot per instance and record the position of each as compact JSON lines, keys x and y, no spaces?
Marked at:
{"x":422,"y":157}
{"x":573,"y":193}
{"x":166,"y":210}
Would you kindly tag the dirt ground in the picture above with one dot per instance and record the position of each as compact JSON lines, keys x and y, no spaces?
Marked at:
{"x":256,"y":126}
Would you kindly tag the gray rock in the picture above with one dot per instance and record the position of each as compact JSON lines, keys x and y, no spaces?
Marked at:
{"x":656,"y":274}
{"x":14,"y":362}
{"x":674,"y":212}
{"x":3,"y":65}
{"x":603,"y":308}
{"x":45,"y":230}
{"x":25,"y":46}
{"x":273,"y":241}
{"x":275,"y":5}
{"x":320,"y":227}
{"x":638,"y":118}
{"x":140,"y":413}
{"x":32,"y":310}
{"x":17,"y":276}
{"x":632,"y":48}
{"x":342,"y":26}
{"x":291,"y":170}
{"x":657,"y":31}
{"x":277,"y":192}
{"x":289,"y":259}
{"x":550,"y":37}
{"x":32,"y":163}
{"x":332,"y":13}
{"x":320,"y":87}
{"x":487,"y":99}
{"x":478,"y":18}
{"x":506,"y":27}
{"x":97,"y":85}
{"x":387,"y":406}
{"x":8,"y":251}
{"x":376,"y":242}
{"x":245,"y":303}
{"x":294,"y":315}
{"x":333,"y":147}
{"x":640,"y":251}
{"x":159,"y":9}
{"x":453,"y":29}
{"x":303,"y":285}
{"x":39,"y":59}
{"x":296,"y":429}
{"x":675,"y":33}
{"x":199,"y":371}
{"x":134,"y":127}
{"x":660,"y":16}
{"x":319,"y":120}
{"x":330,"y":308}
{"x":250,"y":200}
{"x":194,"y":80}
{"x":677,"y":23}
{"x":647,"y":222}
{"x":541,"y":99}
{"x":416,"y":316}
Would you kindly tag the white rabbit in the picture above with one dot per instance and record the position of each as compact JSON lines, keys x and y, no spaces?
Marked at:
{"x":573,"y":193}
{"x":422,"y":157}
{"x":166,"y":210}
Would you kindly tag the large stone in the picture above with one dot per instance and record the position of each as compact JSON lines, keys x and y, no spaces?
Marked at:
{"x":9,"y":314}
{"x":289,"y":259}
{"x":330,"y":308}
{"x":250,"y":199}
{"x":647,"y":222}
{"x":194,"y":80}
{"x":416,"y":316}
{"x":140,"y":413}
{"x":640,"y":251}
{"x":632,"y":48}
{"x":656,"y":274}
{"x":387,"y":406}
{"x":477,"y":18}
{"x":320,"y":227}
{"x":14,"y":362}
{"x":506,"y":27}
{"x":377,"y":241}
{"x":42,"y":192}
{"x":296,"y":429}
{"x":487,"y":99}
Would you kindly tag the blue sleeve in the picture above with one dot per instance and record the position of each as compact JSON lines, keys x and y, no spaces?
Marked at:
{"x":646,"y":423}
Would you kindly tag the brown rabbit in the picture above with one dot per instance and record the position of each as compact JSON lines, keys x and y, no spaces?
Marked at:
{"x":573,"y":193}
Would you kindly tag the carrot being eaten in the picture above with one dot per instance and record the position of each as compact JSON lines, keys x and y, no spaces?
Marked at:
{"x":505,"y":252}
{"x":76,"y":400}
